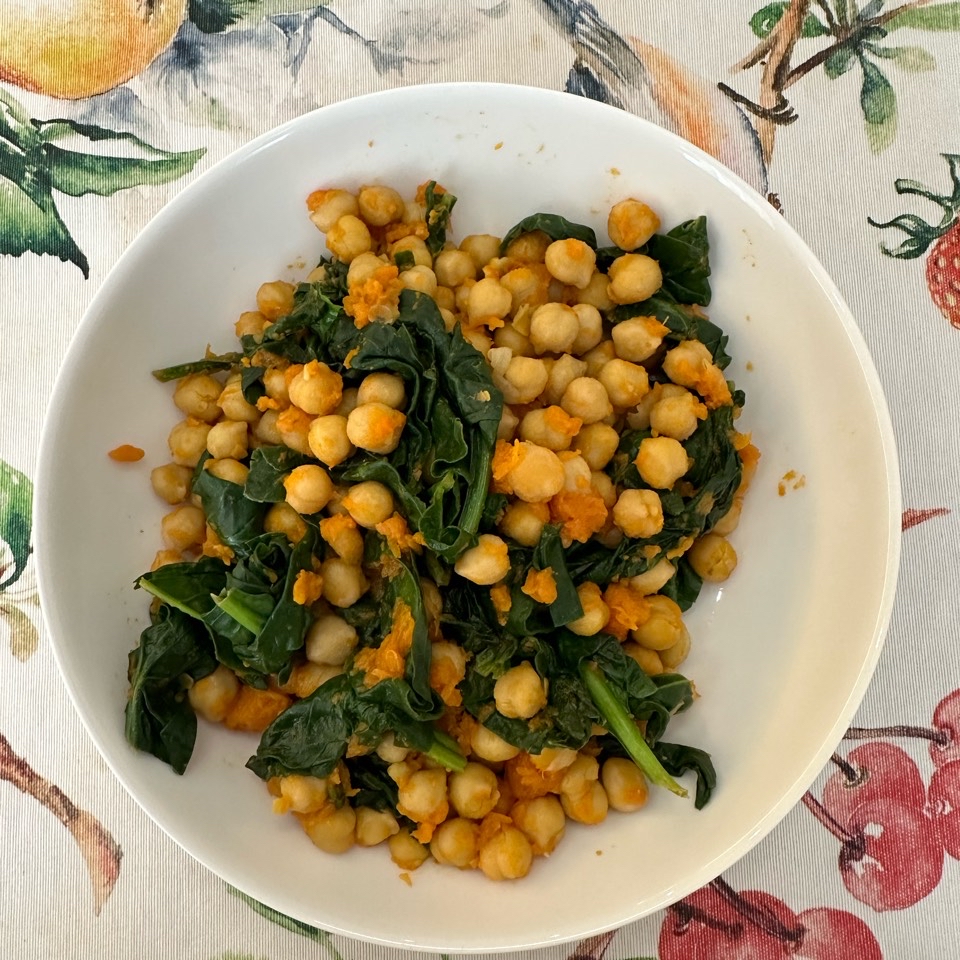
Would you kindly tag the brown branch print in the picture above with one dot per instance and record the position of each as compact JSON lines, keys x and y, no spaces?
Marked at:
{"x":593,"y":948}
{"x":101,"y":852}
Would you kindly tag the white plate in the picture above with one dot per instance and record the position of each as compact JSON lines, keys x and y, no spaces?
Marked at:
{"x":782,"y":653}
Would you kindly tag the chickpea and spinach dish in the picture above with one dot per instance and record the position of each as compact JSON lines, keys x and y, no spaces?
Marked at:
{"x":435,"y":524}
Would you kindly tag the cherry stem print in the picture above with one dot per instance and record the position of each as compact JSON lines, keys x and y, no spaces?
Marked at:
{"x":759,"y":916}
{"x":101,"y":852}
{"x":852,"y":775}
{"x":821,"y":813}
{"x":686,"y":912}
{"x":939,"y":737}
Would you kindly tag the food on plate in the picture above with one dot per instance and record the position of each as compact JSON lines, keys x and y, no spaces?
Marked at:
{"x":435,"y":523}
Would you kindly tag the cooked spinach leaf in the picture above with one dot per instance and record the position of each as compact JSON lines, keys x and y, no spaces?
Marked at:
{"x":684,"y":586}
{"x":173,"y":652}
{"x":368,"y":776}
{"x":684,"y":257}
{"x":553,"y":225}
{"x":677,"y":759}
{"x":269,"y":467}
{"x":439,"y":207}
{"x":251,"y":383}
{"x":236,"y":519}
{"x":404,"y":260}
{"x":189,"y":586}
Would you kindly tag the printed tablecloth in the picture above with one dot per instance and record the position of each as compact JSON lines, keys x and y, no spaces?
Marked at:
{"x":846,"y":117}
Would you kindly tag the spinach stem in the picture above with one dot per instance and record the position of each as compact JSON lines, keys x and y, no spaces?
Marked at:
{"x":444,"y":750}
{"x":621,"y":725}
{"x":240,"y":612}
{"x":174,"y":601}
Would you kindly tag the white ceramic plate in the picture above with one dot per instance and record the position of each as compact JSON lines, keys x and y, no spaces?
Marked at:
{"x":782,"y":653}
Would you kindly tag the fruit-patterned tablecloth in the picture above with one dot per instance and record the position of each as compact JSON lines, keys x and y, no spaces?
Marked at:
{"x":845,"y":115}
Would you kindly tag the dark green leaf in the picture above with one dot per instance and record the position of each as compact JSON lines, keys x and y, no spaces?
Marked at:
{"x":553,"y":225}
{"x":439,"y":207}
{"x":871,"y":9}
{"x":16,"y":504}
{"x":251,"y":384}
{"x":766,"y":18}
{"x":269,"y":466}
{"x":189,"y":587}
{"x":208,"y":365}
{"x":684,"y":257}
{"x":879,"y":105}
{"x":684,"y":586}
{"x":368,"y":775}
{"x":677,"y":759}
{"x":840,"y":61}
{"x":159,"y":719}
{"x":235,"y":518}
{"x":936,"y":17}
{"x":404,"y":260}
{"x":214,"y":16}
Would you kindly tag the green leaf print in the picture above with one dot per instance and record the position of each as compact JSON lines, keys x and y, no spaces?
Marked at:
{"x":33,"y":166}
{"x":879,"y":105}
{"x":941,"y":17}
{"x":16,"y":497}
{"x":914,"y":59}
{"x":765,"y":19}
{"x":839,"y":62}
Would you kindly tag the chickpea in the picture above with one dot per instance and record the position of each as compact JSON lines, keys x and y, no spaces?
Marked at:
{"x":595,"y":293}
{"x":581,"y":793}
{"x":571,"y":262}
{"x":456,"y":843}
{"x":530,"y":246}
{"x":332,"y":829}
{"x":380,"y":205}
{"x":187,"y":441}
{"x":604,"y":486}
{"x":454,"y":267}
{"x":362,"y":268}
{"x":597,"y":358}
{"x":690,"y":364}
{"x":509,"y":422}
{"x":638,"y":338}
{"x":586,"y":399}
{"x":388,"y":750}
{"x":422,"y":796}
{"x":625,"y":784}
{"x":486,"y":563}
{"x":184,"y":527}
{"x":509,"y":336}
{"x":647,"y":660}
{"x":633,"y":278}
{"x":662,"y":461}
{"x":308,"y":488}
{"x":171,"y":482}
{"x":538,"y":476}
{"x":631,"y":224}
{"x":447,"y":302}
{"x":282,"y":518}
{"x":553,"y":328}
{"x":677,"y":416}
{"x":229,"y":469}
{"x":407,"y":852}
{"x":316,"y":389}
{"x":528,"y":288}
{"x":348,"y":238}
{"x":672,"y":657}
{"x":524,"y":522}
{"x":303,"y":794}
{"x":507,"y":855}
{"x":549,"y":427}
{"x":348,"y":402}
{"x":265,"y":431}
{"x":730,"y":520}
{"x":521,"y":379}
{"x":228,"y":439}
{"x":664,"y":626}
{"x":488,"y":299}
{"x":213,"y":695}
{"x":654,"y":579}
{"x":275,"y":299}
{"x":520,"y":692}
{"x":375,"y":427}
{"x":328,"y":440}
{"x":542,"y":821}
{"x":420,"y":279}
{"x":639,"y":419}
{"x":595,"y":612}
{"x":564,"y":370}
{"x":488,"y":746}
{"x":639,"y":513}
{"x":481,"y":248}
{"x":369,"y":503}
{"x":275,"y":385}
{"x":473,"y":791}
{"x":197,"y":396}
{"x":343,"y":583}
{"x":375,"y":826}
{"x":251,"y":323}
{"x":233,"y":404}
{"x":713,"y":558}
{"x":589,"y":328}
{"x":416,"y":246}
{"x":597,"y":443}
{"x":330,"y":640}
{"x":385,"y":388}
{"x":577,"y":477}
{"x":330,"y":206}
{"x":345,"y":539}
{"x":478,"y":338}
{"x":626,"y":383}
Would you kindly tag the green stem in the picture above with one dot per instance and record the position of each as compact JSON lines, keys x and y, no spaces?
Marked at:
{"x":222,"y":362}
{"x":236,"y":609}
{"x":445,"y":751}
{"x":151,"y":587}
{"x":621,"y":725}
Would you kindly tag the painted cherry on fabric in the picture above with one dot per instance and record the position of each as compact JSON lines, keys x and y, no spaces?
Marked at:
{"x":873,"y":771}
{"x":830,"y":934}
{"x":946,"y":721}
{"x":944,"y":806}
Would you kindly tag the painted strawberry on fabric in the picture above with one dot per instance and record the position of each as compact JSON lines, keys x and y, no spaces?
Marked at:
{"x":941,"y":242}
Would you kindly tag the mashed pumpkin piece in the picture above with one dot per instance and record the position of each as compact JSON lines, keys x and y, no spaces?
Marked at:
{"x":390,"y":658}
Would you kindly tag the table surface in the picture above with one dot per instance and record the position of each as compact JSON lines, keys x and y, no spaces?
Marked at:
{"x":855,"y":117}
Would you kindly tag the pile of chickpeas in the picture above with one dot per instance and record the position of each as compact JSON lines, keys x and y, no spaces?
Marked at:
{"x":571,"y":384}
